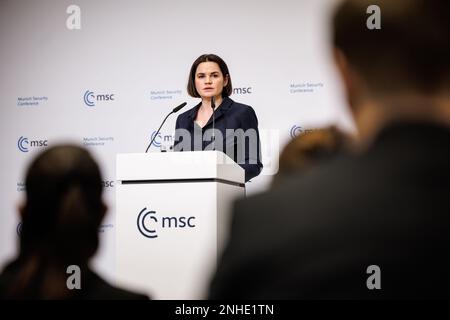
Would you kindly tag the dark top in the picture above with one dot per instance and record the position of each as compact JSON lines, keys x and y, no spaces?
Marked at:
{"x":93,"y":287}
{"x":243,"y":146}
{"x":316,"y":235}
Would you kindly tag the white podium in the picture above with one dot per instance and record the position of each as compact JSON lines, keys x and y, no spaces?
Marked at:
{"x":172,"y":218}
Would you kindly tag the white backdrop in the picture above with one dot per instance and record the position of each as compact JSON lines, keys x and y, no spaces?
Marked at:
{"x":109,"y":84}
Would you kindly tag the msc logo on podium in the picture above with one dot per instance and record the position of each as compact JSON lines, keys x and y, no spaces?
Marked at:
{"x":142,"y":225}
{"x":148,"y":223}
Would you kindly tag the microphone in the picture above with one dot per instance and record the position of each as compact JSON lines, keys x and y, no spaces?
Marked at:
{"x":213,"y":106}
{"x":176,"y":109}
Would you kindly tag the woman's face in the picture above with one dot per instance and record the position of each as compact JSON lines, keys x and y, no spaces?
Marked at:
{"x":209,"y":80}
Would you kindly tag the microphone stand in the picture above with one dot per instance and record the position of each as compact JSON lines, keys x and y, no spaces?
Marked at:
{"x":213,"y":106}
{"x":154,"y":137}
{"x":175,"y":110}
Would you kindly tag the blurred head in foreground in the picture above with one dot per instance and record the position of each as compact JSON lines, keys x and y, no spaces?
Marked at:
{"x":61,"y":217}
{"x":398,"y":69}
{"x":308,"y":150}
{"x":60,"y":220}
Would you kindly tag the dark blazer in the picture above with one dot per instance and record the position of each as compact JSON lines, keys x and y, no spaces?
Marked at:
{"x":93,"y":287}
{"x":316,"y":235}
{"x":229,"y":116}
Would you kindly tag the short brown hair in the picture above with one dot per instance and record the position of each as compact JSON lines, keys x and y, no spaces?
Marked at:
{"x":192,"y":91}
{"x":410,"y":51}
{"x":310,"y":149}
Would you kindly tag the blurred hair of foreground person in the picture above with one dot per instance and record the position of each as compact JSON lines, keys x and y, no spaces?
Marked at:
{"x":60,"y":224}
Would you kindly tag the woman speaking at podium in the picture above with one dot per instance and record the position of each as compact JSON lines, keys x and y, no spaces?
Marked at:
{"x":217,"y":122}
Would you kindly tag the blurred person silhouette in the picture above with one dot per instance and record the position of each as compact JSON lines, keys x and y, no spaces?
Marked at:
{"x":375,"y":224}
{"x":308,"y":150}
{"x":60,"y":225}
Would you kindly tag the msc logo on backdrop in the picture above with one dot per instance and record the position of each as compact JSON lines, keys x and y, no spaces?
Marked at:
{"x":296,"y":131}
{"x":21,"y":186}
{"x":90,"y":98}
{"x":161,"y":139}
{"x":243,"y":90}
{"x":148,"y":223}
{"x":108,"y":184}
{"x":24,"y":144}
